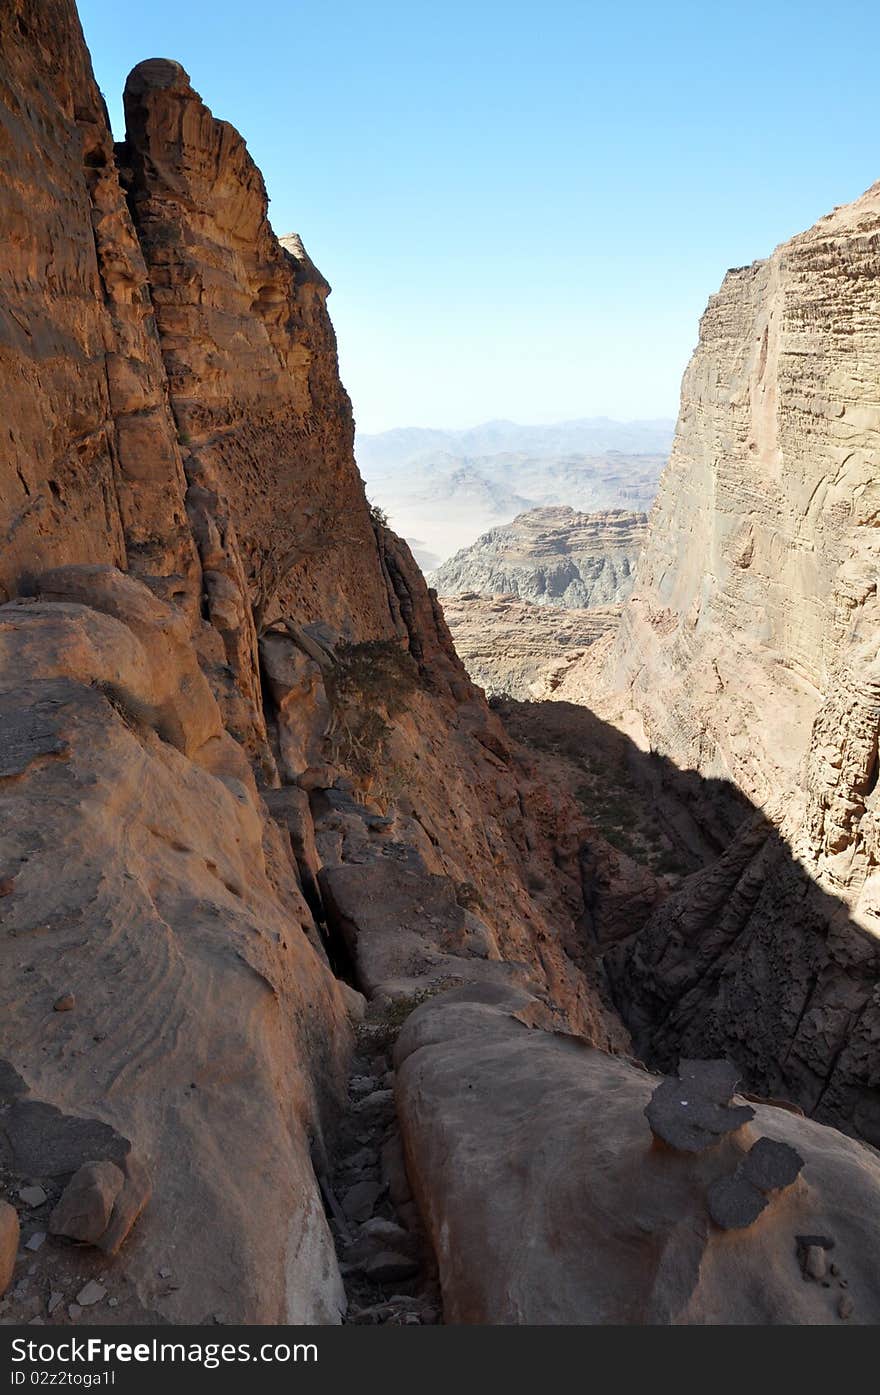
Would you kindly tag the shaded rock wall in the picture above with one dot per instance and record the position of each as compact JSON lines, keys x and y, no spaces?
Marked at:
{"x":748,"y":651}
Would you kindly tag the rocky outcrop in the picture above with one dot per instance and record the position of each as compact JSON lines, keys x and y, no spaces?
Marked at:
{"x":199,"y":608}
{"x":748,"y":651}
{"x":184,"y":942}
{"x":519,"y":648}
{"x":248,"y":794}
{"x":550,"y":556}
{"x":91,"y":465}
{"x":582,"y":1218}
{"x":276,"y":506}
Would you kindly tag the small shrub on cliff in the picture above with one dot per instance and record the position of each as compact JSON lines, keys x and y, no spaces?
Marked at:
{"x":375,"y":674}
{"x":368,"y":685}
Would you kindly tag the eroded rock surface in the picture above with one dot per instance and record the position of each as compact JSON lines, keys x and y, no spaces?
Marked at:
{"x":198,"y":606}
{"x":574,"y":1217}
{"x":198,"y":993}
{"x":748,"y":652}
{"x":518,"y":648}
{"x":550,"y":556}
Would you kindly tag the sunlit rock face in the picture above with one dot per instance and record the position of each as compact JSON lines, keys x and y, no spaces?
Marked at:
{"x":178,"y":484}
{"x":748,"y":650}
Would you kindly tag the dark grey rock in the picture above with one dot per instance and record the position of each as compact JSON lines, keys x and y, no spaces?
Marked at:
{"x":693,"y":1112}
{"x":388,"y":1267}
{"x":359,"y":1200}
{"x":770,"y":1165}
{"x":39,"y":1140}
{"x":734,"y":1203}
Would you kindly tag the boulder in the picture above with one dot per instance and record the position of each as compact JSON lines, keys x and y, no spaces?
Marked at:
{"x":578,"y":1218}
{"x":86,"y":1204}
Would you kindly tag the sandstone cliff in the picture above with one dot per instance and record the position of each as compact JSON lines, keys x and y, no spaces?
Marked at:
{"x":254,"y":811}
{"x":240,"y":758}
{"x":748,"y":652}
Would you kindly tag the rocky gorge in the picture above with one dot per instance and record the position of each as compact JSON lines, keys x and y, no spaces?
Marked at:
{"x":317,"y":979}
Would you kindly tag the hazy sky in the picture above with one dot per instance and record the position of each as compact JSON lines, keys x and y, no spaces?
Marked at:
{"x":523,"y":207}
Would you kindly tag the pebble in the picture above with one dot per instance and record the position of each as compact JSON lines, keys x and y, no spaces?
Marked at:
{"x":55,"y":1301}
{"x":388,"y":1234}
{"x":91,"y":1293}
{"x":64,"y":1003}
{"x":32,"y":1196}
{"x":112,"y":1302}
{"x":814,"y":1262}
{"x":74,"y":1311}
{"x":845,"y":1306}
{"x":36,"y":1240}
{"x":165,"y":1273}
{"x":835,"y":1269}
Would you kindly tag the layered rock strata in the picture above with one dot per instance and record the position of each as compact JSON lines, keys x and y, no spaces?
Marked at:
{"x":748,"y":651}
{"x":519,"y":648}
{"x":550,"y":556}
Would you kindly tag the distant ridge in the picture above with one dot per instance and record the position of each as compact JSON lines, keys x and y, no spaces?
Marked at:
{"x":443,"y":488}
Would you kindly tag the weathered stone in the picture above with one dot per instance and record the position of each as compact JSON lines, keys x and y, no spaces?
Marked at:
{"x":355,"y":1002}
{"x":469,"y":1072}
{"x":392,"y":1236}
{"x":65,"y":1003}
{"x":734,"y":1203}
{"x":815,"y":1263}
{"x":38,"y":1138}
{"x":694,"y":1112}
{"x":376,"y":1108}
{"x":770,"y":1165}
{"x":90,"y":1294}
{"x":86,"y":1204}
{"x":136,"y":1191}
{"x":359,"y":1200}
{"x":32,"y":1196}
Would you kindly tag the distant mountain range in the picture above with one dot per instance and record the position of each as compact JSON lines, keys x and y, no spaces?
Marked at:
{"x":442,"y":489}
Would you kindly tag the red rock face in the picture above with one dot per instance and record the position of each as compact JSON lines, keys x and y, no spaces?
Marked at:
{"x":90,"y":465}
{"x":173,"y":416}
{"x":251,"y":359}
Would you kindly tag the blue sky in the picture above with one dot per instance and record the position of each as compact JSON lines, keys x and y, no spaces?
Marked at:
{"x":522,"y":208}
